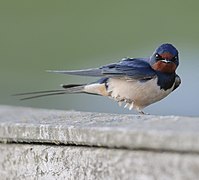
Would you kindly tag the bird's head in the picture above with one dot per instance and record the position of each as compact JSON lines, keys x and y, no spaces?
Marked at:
{"x":165,"y":59}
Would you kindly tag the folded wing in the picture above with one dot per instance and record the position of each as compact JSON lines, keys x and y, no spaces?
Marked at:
{"x":133,"y":68}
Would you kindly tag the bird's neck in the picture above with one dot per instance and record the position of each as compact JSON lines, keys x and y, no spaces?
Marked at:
{"x":166,"y":80}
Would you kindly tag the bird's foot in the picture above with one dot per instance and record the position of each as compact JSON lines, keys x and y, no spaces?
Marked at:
{"x":143,"y":113}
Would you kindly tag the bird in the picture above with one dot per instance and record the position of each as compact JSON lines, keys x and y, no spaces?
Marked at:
{"x":136,"y":82}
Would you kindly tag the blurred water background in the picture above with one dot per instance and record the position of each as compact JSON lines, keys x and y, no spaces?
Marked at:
{"x":45,"y":34}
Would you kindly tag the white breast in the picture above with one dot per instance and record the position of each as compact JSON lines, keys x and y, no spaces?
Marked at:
{"x":137,"y":94}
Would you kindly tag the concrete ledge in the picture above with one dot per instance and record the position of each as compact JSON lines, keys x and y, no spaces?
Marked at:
{"x":52,"y":144}
{"x":168,"y":133}
{"x":70,"y":162}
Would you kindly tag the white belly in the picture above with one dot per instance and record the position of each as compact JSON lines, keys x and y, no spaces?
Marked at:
{"x":137,"y":94}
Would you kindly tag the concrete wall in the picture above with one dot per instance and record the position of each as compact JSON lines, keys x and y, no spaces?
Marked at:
{"x":51,"y":144}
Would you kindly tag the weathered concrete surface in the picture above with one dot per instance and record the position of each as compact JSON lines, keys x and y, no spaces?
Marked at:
{"x":18,"y":161}
{"x":169,"y":133}
{"x":114,"y":146}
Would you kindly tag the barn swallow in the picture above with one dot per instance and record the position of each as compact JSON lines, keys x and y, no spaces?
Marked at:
{"x":137,"y":82}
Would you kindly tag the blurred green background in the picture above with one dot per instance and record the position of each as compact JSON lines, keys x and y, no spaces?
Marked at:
{"x":37,"y":35}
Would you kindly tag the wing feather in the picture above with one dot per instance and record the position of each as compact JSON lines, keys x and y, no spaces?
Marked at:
{"x":133,"y":68}
{"x":85,"y":72}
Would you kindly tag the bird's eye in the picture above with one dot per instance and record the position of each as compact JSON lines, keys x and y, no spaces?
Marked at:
{"x":158,"y":57}
{"x":175,"y":58}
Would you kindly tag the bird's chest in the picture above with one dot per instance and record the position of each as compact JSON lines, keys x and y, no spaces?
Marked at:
{"x":139,"y":93}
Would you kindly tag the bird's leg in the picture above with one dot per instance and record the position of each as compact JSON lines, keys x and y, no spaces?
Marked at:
{"x":139,"y":110}
{"x":143,"y":113}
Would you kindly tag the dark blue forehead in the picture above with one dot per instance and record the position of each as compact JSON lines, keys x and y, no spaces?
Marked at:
{"x":167,"y":48}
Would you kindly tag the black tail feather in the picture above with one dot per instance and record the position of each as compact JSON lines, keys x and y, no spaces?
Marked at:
{"x":68,"y":89}
{"x":37,"y":92}
{"x":42,"y":95}
{"x":66,"y":86}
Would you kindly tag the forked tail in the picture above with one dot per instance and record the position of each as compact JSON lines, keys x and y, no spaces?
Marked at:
{"x":68,"y":89}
